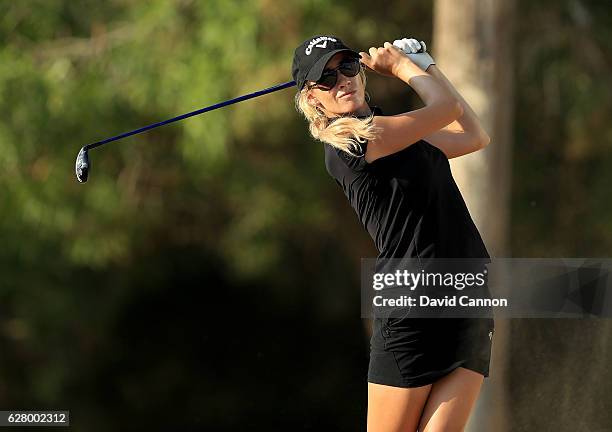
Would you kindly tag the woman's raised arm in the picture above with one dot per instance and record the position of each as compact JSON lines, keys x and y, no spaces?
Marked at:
{"x":464,"y":135}
{"x":400,"y":131}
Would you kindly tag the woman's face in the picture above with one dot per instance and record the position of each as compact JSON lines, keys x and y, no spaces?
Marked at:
{"x":347,"y":96}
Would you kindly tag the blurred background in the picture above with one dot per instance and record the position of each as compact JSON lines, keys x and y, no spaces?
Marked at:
{"x":207,"y":275}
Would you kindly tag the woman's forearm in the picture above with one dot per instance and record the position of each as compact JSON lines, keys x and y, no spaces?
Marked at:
{"x":429,"y":89}
{"x":469,"y":120}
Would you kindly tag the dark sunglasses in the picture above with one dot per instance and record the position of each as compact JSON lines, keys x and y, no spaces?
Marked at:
{"x":329,"y":78}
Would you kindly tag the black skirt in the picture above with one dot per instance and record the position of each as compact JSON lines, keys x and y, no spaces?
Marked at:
{"x":413,"y":352}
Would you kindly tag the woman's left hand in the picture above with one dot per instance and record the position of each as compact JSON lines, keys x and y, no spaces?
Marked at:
{"x":416,"y":51}
{"x":410,"y":45}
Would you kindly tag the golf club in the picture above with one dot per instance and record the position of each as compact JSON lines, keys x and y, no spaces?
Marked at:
{"x":83,"y":165}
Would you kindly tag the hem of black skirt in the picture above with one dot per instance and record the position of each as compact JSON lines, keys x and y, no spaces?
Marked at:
{"x":420,"y":382}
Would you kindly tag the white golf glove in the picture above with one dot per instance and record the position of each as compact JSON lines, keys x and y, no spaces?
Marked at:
{"x":416,"y":51}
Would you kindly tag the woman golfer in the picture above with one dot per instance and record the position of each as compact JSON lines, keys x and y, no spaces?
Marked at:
{"x":425,"y":374}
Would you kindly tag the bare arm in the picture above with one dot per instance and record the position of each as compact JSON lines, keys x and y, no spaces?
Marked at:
{"x":402,"y":130}
{"x":464,"y":135}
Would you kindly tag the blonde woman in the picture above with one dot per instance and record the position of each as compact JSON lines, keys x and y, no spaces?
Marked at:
{"x":424,"y":374}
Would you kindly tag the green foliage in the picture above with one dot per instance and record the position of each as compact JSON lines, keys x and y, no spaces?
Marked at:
{"x":236,"y":199}
{"x":563,"y":137}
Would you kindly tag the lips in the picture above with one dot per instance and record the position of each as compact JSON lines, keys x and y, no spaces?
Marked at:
{"x":346,"y":94}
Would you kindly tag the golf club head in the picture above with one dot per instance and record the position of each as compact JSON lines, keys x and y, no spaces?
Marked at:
{"x":82,"y":165}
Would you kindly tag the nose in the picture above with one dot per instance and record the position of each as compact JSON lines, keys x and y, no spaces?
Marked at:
{"x":342,"y":80}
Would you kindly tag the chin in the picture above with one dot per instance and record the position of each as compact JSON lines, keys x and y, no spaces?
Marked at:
{"x":350,"y":106}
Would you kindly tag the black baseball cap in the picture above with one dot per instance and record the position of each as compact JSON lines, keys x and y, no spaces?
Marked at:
{"x":312,"y":55}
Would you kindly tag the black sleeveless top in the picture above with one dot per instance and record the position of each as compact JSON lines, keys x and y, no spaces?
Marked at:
{"x":408,"y":202}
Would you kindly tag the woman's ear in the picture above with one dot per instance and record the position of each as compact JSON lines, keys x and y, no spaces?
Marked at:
{"x":312,"y":100}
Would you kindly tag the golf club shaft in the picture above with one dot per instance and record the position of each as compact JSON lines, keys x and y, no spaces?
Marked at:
{"x":193,"y":113}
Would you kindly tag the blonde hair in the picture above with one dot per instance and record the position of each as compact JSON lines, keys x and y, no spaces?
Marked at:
{"x":340,"y":132}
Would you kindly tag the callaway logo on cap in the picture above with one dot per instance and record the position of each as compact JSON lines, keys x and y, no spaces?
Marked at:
{"x":312,"y":55}
{"x":320,"y":42}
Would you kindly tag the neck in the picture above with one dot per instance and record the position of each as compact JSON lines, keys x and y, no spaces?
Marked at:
{"x":363,"y":111}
